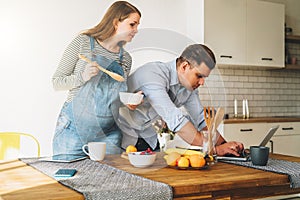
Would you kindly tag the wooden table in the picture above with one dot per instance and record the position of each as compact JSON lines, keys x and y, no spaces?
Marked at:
{"x":220,"y":181}
{"x":20,"y":181}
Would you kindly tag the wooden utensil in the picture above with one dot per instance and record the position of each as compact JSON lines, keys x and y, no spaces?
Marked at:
{"x":209,"y":115}
{"x":115,"y":76}
{"x":218,"y":118}
{"x":216,"y":122}
{"x":212,"y":121}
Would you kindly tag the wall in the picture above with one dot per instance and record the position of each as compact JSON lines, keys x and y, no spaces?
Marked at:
{"x":33,"y":37}
{"x":270,"y":92}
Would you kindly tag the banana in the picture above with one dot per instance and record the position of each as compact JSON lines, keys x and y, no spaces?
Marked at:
{"x":184,"y":152}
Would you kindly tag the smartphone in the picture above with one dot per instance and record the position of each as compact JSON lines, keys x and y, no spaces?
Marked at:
{"x":65,"y":173}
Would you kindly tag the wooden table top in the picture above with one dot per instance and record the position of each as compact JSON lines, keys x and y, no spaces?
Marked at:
{"x":220,"y":181}
{"x":20,"y":181}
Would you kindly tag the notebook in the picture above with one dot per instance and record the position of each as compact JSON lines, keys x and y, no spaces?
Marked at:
{"x":245,"y":156}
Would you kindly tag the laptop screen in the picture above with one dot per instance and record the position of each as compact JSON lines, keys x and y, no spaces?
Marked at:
{"x":269,"y":135}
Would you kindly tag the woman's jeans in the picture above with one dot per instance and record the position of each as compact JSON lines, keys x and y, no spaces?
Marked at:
{"x":68,"y":141}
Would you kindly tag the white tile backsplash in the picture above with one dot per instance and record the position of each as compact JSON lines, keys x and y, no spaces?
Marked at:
{"x":270,"y":92}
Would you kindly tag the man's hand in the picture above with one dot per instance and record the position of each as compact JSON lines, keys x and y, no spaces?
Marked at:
{"x":234,"y":148}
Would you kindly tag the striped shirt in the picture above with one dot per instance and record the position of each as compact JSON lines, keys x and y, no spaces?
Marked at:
{"x":68,"y":74}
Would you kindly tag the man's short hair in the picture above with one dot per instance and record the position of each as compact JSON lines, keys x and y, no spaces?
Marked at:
{"x":199,"y":53}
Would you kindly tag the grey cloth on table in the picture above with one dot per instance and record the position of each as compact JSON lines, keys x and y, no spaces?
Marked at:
{"x":292,"y":169}
{"x":100,"y":181}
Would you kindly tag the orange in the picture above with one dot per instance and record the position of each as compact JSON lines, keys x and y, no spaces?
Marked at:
{"x":130,"y":149}
{"x":197,"y":160}
{"x":172,"y":158}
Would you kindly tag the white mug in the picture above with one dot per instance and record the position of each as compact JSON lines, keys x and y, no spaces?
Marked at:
{"x":96,"y":150}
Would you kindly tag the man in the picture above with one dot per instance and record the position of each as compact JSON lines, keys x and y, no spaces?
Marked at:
{"x":168,"y":87}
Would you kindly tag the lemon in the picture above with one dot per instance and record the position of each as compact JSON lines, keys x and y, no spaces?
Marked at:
{"x":172,"y":158}
{"x":130,"y":149}
{"x":183,"y":151}
{"x":183,"y":162}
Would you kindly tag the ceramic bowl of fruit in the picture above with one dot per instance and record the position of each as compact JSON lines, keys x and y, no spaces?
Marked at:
{"x":142,"y":159}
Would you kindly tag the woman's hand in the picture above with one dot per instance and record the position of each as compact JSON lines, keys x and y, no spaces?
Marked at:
{"x":133,"y":107}
{"x":234,"y":148}
{"x":89,"y":71}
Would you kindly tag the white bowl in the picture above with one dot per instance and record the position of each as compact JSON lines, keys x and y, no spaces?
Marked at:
{"x":141,"y":161}
{"x":131,"y":98}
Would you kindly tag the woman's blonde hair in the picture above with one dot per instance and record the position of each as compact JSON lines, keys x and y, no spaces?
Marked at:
{"x":120,"y":10}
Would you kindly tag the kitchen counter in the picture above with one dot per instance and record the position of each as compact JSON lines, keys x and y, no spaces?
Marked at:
{"x":263,"y":119}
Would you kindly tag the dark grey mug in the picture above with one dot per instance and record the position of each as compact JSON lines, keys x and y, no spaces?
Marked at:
{"x":259,"y":155}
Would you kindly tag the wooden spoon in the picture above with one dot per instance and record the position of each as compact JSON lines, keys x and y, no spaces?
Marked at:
{"x":115,"y":76}
{"x":217,"y":119}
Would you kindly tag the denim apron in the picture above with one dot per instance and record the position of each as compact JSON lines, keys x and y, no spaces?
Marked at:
{"x":91,"y":115}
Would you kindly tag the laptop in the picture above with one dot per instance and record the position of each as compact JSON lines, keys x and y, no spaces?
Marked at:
{"x":245,"y":155}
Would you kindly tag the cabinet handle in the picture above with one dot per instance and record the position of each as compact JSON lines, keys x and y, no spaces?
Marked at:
{"x":224,"y":56}
{"x":270,"y":59}
{"x":246,"y":130}
{"x":289,"y":128}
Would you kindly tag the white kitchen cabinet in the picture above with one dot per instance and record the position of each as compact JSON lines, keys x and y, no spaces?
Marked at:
{"x":287,"y":139}
{"x":225,"y":30}
{"x":265,"y":34}
{"x":247,"y":133}
{"x":245,"y":32}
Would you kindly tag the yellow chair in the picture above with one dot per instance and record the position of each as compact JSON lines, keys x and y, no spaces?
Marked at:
{"x":15,"y":145}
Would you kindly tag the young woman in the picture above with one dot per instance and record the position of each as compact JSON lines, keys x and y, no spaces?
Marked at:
{"x":92,"y":104}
